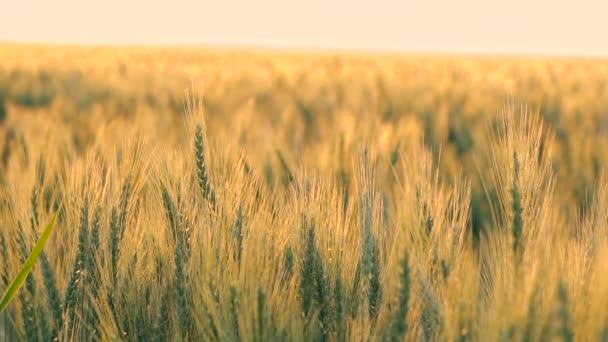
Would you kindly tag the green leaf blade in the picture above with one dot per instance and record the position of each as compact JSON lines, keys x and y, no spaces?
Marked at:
{"x":27,"y":267}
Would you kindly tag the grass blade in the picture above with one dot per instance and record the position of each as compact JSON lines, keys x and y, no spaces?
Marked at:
{"x":27,"y":266}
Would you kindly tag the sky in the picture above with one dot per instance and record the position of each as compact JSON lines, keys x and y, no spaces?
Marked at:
{"x":537,"y":27}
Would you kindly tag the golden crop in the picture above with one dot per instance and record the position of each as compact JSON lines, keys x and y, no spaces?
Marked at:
{"x":209,"y":194}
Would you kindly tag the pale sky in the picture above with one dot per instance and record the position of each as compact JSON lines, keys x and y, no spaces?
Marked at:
{"x":461,"y":26}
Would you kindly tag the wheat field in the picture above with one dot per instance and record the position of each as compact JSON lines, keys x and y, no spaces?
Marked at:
{"x":241,"y":195}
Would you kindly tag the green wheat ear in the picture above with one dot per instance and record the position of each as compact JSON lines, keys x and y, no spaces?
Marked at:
{"x":28,"y":265}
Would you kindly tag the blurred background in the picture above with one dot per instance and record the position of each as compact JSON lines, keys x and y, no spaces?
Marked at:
{"x":310,"y":77}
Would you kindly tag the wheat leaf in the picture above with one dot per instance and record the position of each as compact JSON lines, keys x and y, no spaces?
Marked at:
{"x":27,"y":266}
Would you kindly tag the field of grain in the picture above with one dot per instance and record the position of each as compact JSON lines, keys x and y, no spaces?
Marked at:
{"x":231,"y":195}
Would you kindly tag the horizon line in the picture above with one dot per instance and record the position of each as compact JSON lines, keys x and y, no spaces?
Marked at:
{"x":260,"y":47}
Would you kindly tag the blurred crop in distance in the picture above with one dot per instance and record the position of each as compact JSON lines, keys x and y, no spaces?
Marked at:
{"x":302,"y":196}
